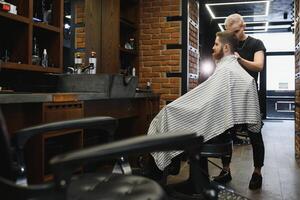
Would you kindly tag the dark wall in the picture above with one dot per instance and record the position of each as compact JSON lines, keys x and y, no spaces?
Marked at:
{"x":208,"y":30}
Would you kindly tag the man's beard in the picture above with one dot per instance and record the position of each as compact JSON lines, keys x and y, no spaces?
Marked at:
{"x":218,"y":55}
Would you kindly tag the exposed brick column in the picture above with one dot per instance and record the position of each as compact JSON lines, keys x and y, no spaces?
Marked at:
{"x":155,"y":60}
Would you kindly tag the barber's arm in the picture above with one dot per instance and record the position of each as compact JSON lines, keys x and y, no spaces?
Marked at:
{"x":256,"y":65}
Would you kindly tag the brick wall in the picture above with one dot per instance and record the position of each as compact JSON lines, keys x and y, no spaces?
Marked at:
{"x":155,"y":60}
{"x":297,"y":70}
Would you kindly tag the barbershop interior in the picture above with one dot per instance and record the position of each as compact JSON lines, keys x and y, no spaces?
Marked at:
{"x":150,"y":99}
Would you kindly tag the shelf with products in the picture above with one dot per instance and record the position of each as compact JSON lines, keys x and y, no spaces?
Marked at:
{"x":48,"y":40}
{"x":14,"y":41}
{"x":27,"y":67}
{"x":128,"y":39}
{"x":22,"y":7}
{"x":129,"y":33}
{"x":45,"y":26}
{"x":128,"y":61}
{"x":128,"y":51}
{"x":13,"y":17}
{"x":17,"y":36}
{"x":48,"y":11}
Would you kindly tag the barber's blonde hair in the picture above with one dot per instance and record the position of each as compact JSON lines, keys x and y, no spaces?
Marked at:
{"x":233,"y":19}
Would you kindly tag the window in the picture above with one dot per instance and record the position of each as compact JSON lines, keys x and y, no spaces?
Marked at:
{"x":280,"y":73}
{"x":277,"y":42}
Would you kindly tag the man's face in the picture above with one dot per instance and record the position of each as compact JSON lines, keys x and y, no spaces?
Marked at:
{"x":237,"y":29}
{"x":217,"y":49}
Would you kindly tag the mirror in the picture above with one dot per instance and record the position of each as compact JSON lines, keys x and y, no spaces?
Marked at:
{"x":68,"y":35}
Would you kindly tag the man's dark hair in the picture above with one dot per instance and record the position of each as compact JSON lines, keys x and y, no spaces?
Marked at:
{"x":227,"y":37}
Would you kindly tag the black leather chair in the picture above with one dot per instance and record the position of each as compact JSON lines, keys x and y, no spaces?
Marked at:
{"x":199,"y":185}
{"x":89,"y":186}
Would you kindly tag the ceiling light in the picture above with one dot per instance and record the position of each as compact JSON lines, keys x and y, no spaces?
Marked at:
{"x":256,"y":31}
{"x":265,"y":26}
{"x":279,"y":26}
{"x":213,"y":16}
{"x":221,"y":26}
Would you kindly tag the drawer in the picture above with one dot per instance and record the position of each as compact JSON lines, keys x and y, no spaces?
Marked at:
{"x":62,"y":111}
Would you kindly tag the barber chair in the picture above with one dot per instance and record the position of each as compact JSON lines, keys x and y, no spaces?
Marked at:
{"x":88,"y":186}
{"x":199,"y":185}
{"x":241,"y":133}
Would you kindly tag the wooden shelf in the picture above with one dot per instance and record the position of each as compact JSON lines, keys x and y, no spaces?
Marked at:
{"x":28,"y":67}
{"x":129,"y":29}
{"x":19,"y":31}
{"x":127,"y":23}
{"x":13,"y":17}
{"x":46,"y":27}
{"x":128,"y":51}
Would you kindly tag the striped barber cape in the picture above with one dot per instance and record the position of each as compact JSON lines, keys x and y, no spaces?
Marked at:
{"x":227,"y":98}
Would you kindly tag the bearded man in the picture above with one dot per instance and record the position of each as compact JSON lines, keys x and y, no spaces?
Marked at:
{"x":227,"y":98}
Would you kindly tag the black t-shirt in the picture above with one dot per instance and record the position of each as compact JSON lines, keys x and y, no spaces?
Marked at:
{"x":247,"y":49}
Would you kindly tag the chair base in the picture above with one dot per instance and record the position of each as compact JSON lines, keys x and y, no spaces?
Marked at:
{"x":183,"y":191}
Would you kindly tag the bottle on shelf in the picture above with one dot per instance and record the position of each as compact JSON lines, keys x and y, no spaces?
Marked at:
{"x":47,"y":13}
{"x":77,"y":63}
{"x":133,"y":71}
{"x":131,"y":42}
{"x":35,"y":52}
{"x":8,"y":7}
{"x":92,"y":63}
{"x":45,"y":59}
{"x":148,"y":87}
{"x":5,"y":57}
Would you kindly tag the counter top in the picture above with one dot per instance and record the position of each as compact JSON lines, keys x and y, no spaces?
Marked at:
{"x":59,"y":97}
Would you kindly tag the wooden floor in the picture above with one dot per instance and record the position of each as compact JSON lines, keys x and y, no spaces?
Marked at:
{"x":281,"y":174}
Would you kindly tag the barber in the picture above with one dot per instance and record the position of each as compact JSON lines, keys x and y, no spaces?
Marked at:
{"x":250,"y":54}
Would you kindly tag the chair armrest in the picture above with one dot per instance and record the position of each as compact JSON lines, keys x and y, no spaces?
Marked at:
{"x":108,"y":124}
{"x":63,"y":165}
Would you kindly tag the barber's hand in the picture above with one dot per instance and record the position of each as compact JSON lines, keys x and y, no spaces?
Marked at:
{"x":237,"y":55}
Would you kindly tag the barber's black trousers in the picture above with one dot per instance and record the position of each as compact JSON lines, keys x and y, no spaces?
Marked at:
{"x":258,"y":150}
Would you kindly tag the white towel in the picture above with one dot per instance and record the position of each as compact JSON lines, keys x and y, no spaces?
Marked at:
{"x":227,"y":98}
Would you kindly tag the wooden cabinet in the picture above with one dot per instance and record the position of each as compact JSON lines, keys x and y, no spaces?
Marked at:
{"x":17,"y":32}
{"x":109,"y":25}
{"x":42,"y":148}
{"x":102,"y":33}
{"x":134,"y":115}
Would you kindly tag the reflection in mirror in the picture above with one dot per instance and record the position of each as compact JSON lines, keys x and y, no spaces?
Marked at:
{"x":74,"y":33}
{"x":67,"y":35}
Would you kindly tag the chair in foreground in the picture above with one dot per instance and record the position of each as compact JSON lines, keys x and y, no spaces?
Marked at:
{"x":95,"y":185}
{"x":199,"y":184}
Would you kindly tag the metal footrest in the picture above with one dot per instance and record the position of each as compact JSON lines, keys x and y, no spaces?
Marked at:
{"x":216,"y":150}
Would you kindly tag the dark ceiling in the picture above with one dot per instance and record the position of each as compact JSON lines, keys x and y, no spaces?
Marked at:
{"x":278,"y":19}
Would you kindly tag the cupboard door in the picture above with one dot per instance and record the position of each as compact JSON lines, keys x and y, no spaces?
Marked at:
{"x":42,"y":148}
